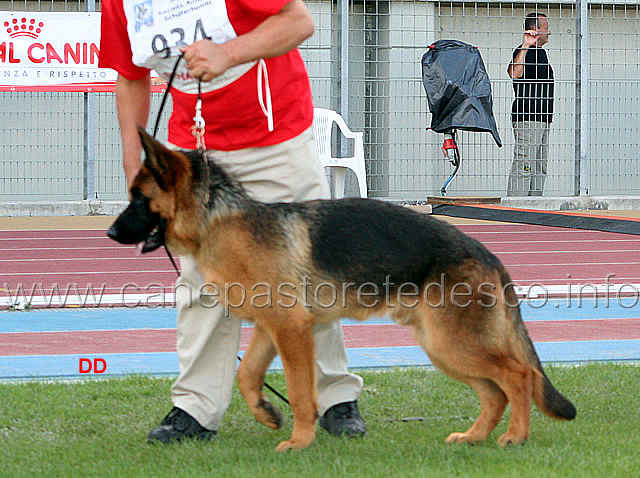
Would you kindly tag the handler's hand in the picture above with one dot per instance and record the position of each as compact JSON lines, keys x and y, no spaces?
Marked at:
{"x":530,"y":38}
{"x":206,"y":59}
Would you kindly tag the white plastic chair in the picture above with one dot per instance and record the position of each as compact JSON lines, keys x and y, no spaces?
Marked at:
{"x":323,"y":120}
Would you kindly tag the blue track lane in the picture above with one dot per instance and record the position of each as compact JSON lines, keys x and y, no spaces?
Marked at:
{"x":61,"y":320}
{"x":166,"y":363}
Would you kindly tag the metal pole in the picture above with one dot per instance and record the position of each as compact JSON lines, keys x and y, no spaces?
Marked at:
{"x":344,"y":59}
{"x":89,"y":151}
{"x":343,"y":91}
{"x":581,"y":174}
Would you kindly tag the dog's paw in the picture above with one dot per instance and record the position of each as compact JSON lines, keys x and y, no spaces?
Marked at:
{"x":511,"y":439}
{"x":459,"y":437}
{"x":292,"y":445}
{"x":285,"y":446}
{"x":268,"y":415}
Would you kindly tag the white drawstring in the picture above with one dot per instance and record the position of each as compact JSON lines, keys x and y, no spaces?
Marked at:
{"x":267,"y":110}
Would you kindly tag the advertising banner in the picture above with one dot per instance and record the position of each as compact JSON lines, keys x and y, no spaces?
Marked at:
{"x":49,"y":49}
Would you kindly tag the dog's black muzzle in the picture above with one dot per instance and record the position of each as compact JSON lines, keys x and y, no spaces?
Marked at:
{"x":137,"y":224}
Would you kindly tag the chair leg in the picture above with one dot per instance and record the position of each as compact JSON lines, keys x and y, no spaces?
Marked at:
{"x":338,"y":174}
{"x":361,"y":176}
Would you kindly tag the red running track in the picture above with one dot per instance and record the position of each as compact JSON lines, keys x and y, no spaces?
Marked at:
{"x":355,"y":336}
{"x":36,"y":260}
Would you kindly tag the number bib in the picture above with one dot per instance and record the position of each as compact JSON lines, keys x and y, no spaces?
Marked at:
{"x":157,"y":28}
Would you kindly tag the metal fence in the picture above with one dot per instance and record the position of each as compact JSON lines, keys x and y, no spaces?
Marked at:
{"x":364,"y":61}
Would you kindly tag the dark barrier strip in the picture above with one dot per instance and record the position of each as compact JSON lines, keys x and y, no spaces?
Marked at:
{"x":571,"y":220}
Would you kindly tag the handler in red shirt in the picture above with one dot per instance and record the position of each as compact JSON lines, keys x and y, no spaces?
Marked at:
{"x":258,"y":114}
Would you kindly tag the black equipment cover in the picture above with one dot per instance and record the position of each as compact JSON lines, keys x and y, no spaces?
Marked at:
{"x":458,"y":88}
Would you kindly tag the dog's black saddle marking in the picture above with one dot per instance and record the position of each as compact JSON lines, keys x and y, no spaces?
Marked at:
{"x":365,"y":240}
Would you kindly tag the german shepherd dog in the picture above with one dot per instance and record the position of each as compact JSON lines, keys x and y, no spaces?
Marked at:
{"x":363,"y":257}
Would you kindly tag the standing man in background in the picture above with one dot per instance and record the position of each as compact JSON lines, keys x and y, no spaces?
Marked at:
{"x":258,"y":114}
{"x":532,"y":109}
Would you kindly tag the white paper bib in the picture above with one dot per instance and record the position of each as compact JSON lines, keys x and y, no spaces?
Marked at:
{"x":157,"y":28}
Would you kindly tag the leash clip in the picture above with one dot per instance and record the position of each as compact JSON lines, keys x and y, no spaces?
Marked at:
{"x":197,"y":130}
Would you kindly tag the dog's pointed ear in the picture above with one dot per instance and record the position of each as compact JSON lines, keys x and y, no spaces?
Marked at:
{"x":157,"y":159}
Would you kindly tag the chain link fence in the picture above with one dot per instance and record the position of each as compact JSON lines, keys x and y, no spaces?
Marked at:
{"x":364,"y":61}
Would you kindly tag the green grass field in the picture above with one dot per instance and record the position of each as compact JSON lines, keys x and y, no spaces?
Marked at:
{"x":99,"y":428}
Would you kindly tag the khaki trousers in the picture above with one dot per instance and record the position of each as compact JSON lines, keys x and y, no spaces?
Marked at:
{"x":208,"y":342}
{"x":530,"y":153}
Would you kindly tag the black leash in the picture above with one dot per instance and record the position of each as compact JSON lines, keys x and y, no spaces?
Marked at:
{"x":155,"y":132}
{"x":166,"y":94}
{"x":198,"y":131}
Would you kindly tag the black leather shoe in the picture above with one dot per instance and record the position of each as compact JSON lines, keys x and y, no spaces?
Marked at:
{"x":344,"y":419}
{"x":177,"y":425}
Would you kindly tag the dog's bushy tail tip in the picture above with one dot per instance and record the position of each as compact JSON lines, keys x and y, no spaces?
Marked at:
{"x":550,"y":401}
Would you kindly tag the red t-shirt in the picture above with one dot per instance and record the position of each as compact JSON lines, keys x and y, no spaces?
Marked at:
{"x":233,"y":116}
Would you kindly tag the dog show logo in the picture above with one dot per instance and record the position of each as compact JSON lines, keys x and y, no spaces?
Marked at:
{"x":24,"y":28}
{"x":39,"y":48}
{"x":144,"y":14}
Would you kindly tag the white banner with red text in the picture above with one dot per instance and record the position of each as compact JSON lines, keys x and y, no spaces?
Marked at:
{"x":52,"y":51}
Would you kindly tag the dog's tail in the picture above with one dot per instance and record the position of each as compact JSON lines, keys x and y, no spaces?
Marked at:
{"x":545,"y":395}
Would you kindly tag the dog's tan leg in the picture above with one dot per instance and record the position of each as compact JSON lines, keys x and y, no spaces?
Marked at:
{"x":493,"y":402}
{"x":251,"y":373}
{"x":496,"y":382}
{"x":293,"y":336}
{"x":517,"y":383}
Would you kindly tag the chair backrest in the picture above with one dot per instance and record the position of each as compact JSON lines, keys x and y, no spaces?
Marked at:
{"x":323,"y":123}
